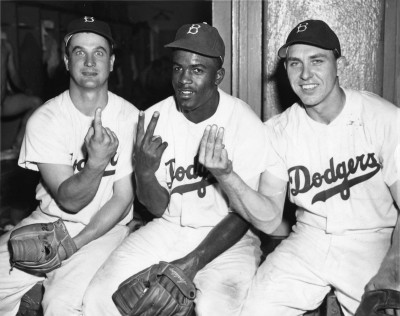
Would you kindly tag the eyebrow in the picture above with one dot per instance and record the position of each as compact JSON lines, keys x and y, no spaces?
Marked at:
{"x":319,"y":55}
{"x":193,"y":66}
{"x":80,"y":47}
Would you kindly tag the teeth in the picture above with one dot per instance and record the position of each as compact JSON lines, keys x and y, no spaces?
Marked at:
{"x":309,"y":86}
{"x":186,"y":92}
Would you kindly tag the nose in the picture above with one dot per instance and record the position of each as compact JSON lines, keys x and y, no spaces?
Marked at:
{"x":306,"y":73}
{"x":185,"y":77}
{"x":90,"y":61}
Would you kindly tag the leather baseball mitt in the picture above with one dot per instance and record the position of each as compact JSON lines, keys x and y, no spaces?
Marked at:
{"x":374,"y":303}
{"x":162,"y":289}
{"x":37,"y":248}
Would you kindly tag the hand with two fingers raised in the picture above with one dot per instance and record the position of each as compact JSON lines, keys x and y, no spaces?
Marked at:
{"x":101,"y":143}
{"x":148,"y":147}
{"x":213,"y":154}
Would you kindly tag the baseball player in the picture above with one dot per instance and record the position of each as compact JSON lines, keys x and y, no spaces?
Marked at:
{"x":194,"y":222}
{"x":334,"y":149}
{"x":81,"y":142}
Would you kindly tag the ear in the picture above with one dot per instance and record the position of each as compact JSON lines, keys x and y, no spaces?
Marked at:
{"x":66,"y":62}
{"x":220,"y":76}
{"x":341,"y":63}
{"x":112,"y":59}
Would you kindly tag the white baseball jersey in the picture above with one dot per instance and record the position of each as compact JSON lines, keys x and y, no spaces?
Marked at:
{"x":196,"y":199}
{"x":55,"y":135}
{"x":339,"y":173}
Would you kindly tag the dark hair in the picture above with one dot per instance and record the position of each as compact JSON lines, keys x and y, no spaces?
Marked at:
{"x":218,"y":62}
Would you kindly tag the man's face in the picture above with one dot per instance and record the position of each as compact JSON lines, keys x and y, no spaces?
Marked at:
{"x":89,"y":61}
{"x":312,"y":73}
{"x":195,"y":79}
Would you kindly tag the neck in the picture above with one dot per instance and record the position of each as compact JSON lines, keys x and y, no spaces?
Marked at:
{"x":205,"y":111}
{"x":329,"y":109}
{"x":88,"y":100}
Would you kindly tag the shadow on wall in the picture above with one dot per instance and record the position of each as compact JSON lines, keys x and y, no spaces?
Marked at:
{"x":285,"y":95}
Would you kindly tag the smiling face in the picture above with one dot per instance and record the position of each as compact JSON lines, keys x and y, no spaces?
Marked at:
{"x":312,"y":73}
{"x":195,"y":79}
{"x":89,"y":60}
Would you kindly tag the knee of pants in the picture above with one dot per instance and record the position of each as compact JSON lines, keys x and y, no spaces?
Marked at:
{"x":59,"y":303}
{"x":226,"y":301}
{"x":98,"y":301}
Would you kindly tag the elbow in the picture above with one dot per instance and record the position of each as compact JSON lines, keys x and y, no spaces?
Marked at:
{"x":270,"y":226}
{"x":67,"y":207}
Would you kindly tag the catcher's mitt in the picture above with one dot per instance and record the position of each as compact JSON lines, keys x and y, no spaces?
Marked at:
{"x":162,"y":289}
{"x":374,"y":303}
{"x":36,"y":248}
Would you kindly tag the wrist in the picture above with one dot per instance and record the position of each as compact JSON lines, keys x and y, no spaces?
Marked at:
{"x":144,"y":175}
{"x":99,"y":166}
{"x":225,"y":177}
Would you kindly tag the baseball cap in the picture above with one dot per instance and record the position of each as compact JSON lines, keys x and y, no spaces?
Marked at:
{"x":314,"y":33}
{"x":88,"y":24}
{"x":200,"y":38}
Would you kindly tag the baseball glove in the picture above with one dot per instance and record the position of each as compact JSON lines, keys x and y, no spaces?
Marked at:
{"x":374,"y":303}
{"x":36,"y":248}
{"x":162,"y":289}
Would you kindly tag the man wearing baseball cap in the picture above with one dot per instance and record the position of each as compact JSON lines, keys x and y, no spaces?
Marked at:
{"x":81,"y":142}
{"x":195,"y":228}
{"x":334,"y":150}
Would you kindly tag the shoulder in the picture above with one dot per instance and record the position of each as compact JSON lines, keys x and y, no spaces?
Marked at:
{"x":282,"y":121}
{"x":238,"y":108}
{"x":373,"y":106}
{"x":125,"y":108}
{"x":163,"y":106}
{"x":53,"y":108}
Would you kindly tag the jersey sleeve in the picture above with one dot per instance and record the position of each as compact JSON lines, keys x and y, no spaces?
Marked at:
{"x":44,"y":142}
{"x":274,"y":161}
{"x":390,"y":143}
{"x":249,"y":154}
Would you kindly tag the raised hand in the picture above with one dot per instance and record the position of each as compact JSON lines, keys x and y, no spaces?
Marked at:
{"x":213,"y":154}
{"x":148,"y":147}
{"x":101,"y":143}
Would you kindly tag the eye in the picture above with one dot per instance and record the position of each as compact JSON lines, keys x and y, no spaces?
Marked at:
{"x":176,"y":68}
{"x":198,"y":71}
{"x":317,"y":61}
{"x":294,"y":64}
{"x":99,"y":53}
{"x":79,"y":53}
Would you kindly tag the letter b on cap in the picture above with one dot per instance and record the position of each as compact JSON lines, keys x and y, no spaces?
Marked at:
{"x":194,"y":29}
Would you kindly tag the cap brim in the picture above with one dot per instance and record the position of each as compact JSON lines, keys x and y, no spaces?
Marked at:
{"x":180,"y":44}
{"x":282,"y":51}
{"x":68,"y":36}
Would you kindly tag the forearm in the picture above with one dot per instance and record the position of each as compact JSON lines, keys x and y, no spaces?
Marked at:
{"x":78,"y":191}
{"x":108,"y":216}
{"x":264,"y":212}
{"x":223,"y":236}
{"x":151,"y":194}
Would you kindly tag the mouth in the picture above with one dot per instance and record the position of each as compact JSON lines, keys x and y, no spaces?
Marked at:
{"x":309,"y":87}
{"x":184,"y":94}
{"x":89,"y":73}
